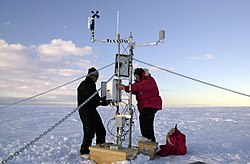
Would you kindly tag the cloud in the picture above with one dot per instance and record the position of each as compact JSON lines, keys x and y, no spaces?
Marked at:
{"x":68,"y":72}
{"x":59,"y":48}
{"x":13,"y":56}
{"x":9,"y":24}
{"x":26,"y":71}
{"x":157,"y":68}
{"x":207,"y":56}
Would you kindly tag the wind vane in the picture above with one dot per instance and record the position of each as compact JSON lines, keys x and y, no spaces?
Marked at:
{"x":91,"y":23}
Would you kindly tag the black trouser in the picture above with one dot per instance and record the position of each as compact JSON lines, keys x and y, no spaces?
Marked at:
{"x":146,"y":118}
{"x":92,"y":124}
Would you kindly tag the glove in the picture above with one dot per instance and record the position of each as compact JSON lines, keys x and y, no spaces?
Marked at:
{"x":103,"y":98}
{"x":105,"y":102}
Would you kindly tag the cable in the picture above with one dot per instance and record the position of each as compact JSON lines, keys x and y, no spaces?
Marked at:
{"x":26,"y":99}
{"x":190,"y":78}
{"x":32,"y":142}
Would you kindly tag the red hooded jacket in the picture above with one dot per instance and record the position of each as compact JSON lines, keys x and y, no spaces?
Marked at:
{"x":147,"y":93}
{"x":177,"y":145}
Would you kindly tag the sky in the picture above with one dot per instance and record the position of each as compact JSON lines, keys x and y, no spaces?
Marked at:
{"x":45,"y":44}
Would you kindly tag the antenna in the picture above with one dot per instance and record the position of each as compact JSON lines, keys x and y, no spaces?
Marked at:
{"x":117,"y":22}
{"x":122,"y":60}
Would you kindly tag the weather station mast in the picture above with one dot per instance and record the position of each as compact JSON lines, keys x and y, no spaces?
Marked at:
{"x":123,"y":70}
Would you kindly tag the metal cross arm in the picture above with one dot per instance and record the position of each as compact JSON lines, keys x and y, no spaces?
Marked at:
{"x":161,"y":38}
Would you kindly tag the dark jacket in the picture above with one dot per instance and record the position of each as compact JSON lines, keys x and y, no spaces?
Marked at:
{"x":85,"y":90}
{"x":147,"y":93}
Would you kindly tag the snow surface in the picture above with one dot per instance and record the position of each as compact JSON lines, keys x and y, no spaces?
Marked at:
{"x":214,"y":134}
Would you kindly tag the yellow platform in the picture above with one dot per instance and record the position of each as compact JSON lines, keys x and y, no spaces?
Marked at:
{"x":148,"y":149}
{"x":102,"y":155}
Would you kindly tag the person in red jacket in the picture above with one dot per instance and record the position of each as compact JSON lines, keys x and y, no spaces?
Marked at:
{"x":148,"y":100}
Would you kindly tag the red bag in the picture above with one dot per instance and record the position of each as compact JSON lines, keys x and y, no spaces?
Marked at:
{"x":175,"y":143}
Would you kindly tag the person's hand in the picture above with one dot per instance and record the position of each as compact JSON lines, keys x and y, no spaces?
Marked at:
{"x":105,"y":102}
{"x":121,"y":87}
{"x":103,"y":98}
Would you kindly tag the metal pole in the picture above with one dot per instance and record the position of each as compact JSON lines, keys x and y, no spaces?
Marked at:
{"x":130,"y":90}
{"x":118,"y":132}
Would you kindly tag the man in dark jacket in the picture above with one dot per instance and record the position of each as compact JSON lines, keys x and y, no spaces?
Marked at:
{"x":91,"y":120}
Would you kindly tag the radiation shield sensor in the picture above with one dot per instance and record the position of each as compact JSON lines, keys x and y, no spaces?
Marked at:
{"x":109,"y":91}
{"x":160,"y":40}
{"x":161,"y":36}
